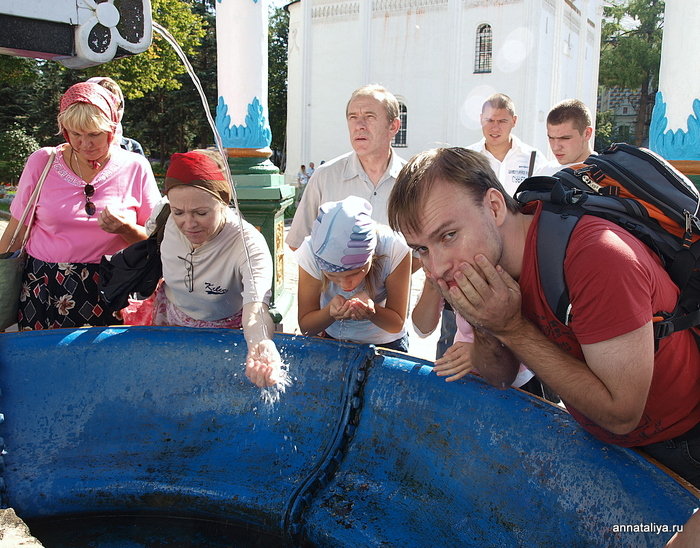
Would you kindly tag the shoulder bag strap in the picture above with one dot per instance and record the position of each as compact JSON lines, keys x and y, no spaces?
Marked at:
{"x":31,"y":204}
{"x":161,"y":219}
{"x":531,"y":166}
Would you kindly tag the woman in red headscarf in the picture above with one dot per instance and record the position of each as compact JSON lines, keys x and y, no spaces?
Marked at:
{"x":94,"y":201}
{"x":217,"y":268}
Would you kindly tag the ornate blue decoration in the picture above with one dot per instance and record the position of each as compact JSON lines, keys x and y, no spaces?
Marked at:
{"x":254,"y":134}
{"x":674,"y":145}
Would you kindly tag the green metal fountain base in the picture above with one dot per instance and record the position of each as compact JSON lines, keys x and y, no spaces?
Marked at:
{"x":262,"y":197}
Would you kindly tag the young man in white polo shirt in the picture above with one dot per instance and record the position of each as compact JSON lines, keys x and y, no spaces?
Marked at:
{"x":511,"y":160}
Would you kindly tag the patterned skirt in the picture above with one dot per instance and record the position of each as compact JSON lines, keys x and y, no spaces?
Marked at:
{"x":166,"y":313}
{"x":158,"y":310}
{"x":58,"y":295}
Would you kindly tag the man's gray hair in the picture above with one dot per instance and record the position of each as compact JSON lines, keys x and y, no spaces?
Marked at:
{"x":381,"y":94}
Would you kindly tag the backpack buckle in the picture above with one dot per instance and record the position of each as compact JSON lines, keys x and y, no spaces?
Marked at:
{"x":691,"y":222}
{"x":663,"y":328}
{"x":566,"y":196}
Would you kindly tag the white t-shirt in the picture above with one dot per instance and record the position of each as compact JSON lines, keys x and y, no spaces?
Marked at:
{"x":391,"y":249}
{"x":513,"y":169}
{"x":221,"y":278}
{"x":552,"y":167}
{"x":336,"y":180}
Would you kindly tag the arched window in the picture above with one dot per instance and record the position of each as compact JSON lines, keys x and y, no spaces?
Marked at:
{"x":400,"y":137}
{"x":483,"y":50}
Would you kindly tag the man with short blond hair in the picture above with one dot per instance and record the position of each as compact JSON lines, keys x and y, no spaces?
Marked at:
{"x":511,"y":160}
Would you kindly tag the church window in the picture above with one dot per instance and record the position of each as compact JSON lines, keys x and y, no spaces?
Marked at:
{"x":400,"y":137}
{"x":483,"y":50}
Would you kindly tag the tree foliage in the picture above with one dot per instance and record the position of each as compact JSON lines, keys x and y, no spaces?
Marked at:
{"x":16,"y":70}
{"x":607,"y":133}
{"x":170,"y":118}
{"x":159,"y":67}
{"x":277,"y":81}
{"x":163,"y":110}
{"x":17,"y":78}
{"x":15,"y":146}
{"x":631,"y":51}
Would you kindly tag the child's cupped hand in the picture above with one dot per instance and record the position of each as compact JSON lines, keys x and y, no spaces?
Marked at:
{"x":361,"y":306}
{"x":339,"y":308}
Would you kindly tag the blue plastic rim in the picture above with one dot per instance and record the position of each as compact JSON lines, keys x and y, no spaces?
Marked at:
{"x":364,"y":448}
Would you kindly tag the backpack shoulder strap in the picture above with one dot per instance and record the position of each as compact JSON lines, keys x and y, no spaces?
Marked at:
{"x":685,"y":272}
{"x":553,"y":235}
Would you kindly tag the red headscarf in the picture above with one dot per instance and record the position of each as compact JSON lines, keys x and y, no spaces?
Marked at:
{"x":197,"y":169}
{"x":93,"y":94}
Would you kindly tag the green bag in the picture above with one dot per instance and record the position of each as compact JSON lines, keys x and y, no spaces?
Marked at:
{"x":11,"y":268}
{"x":12,"y":262}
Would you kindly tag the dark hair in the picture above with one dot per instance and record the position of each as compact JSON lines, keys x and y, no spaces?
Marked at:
{"x":570,"y":109}
{"x":457,"y":165}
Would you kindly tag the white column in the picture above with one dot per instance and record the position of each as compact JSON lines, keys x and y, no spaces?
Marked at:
{"x":675,"y":128}
{"x":241,"y":45}
{"x":457,"y":60}
{"x":306,"y":71}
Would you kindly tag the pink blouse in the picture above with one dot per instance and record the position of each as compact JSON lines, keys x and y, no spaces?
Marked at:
{"x":62,"y":231}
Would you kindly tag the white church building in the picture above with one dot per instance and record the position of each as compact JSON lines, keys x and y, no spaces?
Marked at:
{"x":441,"y":58}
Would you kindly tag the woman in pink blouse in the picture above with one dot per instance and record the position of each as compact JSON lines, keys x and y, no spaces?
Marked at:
{"x":95,"y":201}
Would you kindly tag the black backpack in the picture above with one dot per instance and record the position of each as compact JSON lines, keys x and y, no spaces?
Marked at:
{"x":134,"y":269}
{"x":641,"y":192}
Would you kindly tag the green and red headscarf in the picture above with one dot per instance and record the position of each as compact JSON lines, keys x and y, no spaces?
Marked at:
{"x":198,"y":169}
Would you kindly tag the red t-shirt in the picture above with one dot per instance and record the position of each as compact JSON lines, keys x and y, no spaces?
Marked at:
{"x":616,"y":285}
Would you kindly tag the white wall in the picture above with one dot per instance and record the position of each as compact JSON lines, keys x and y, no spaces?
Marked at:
{"x":423,"y":51}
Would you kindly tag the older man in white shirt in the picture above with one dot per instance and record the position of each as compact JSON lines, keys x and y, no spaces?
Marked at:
{"x":369,"y":171}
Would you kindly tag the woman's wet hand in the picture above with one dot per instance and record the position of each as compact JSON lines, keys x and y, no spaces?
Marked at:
{"x":263,"y":364}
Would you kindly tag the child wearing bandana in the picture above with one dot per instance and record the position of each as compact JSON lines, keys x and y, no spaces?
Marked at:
{"x":354,"y":277}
